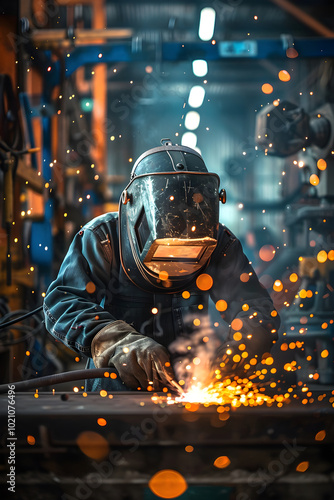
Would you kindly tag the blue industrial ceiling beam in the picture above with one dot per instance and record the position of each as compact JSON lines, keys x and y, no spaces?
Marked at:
{"x":173,"y":51}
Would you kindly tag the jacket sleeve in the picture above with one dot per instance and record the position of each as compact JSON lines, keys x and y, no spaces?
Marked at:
{"x":242,"y":301}
{"x":72,"y":308}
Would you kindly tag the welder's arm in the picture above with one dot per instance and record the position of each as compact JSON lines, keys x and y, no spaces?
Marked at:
{"x":249,"y":311}
{"x":72,"y":308}
{"x":139,"y":360}
{"x":74,"y":316}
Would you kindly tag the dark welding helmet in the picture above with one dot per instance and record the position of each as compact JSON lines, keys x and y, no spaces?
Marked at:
{"x":168,"y":218}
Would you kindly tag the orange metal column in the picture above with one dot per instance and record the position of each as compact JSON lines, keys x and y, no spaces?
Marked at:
{"x":99,"y":96}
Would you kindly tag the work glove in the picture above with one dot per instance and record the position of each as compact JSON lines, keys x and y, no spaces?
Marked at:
{"x":140,"y":361}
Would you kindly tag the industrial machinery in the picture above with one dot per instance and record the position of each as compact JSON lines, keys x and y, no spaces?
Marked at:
{"x":284,"y":129}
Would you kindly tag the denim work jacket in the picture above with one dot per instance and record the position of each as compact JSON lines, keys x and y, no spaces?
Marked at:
{"x":92,"y":290}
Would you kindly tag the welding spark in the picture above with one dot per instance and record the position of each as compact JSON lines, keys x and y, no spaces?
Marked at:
{"x":226,"y":393}
{"x":231,"y":393}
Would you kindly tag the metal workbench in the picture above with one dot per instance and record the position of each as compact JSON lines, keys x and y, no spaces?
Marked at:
{"x":139,"y":437}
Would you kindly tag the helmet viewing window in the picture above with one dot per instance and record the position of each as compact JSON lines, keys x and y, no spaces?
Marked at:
{"x":142,"y":230}
{"x":183,"y":252}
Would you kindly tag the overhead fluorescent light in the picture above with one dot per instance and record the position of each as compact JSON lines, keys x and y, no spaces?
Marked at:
{"x":207,"y":23}
{"x":200,"y":67}
{"x":189,"y":139}
{"x":192,"y":120}
{"x":196,"y":96}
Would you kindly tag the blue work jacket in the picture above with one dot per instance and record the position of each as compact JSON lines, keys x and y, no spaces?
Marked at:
{"x":92,"y":290}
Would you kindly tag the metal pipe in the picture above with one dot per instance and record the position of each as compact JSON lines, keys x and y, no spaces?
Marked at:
{"x":80,"y":35}
{"x":57,"y":378}
{"x":305,"y":18}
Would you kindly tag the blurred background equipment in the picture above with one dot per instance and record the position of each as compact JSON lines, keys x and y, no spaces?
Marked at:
{"x":284,"y":129}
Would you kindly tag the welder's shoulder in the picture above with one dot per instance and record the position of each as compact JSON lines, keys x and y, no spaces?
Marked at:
{"x":228,"y":250}
{"x":225,"y":239}
{"x":103,"y":226}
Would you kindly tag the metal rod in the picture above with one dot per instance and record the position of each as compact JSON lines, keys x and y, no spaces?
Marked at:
{"x":305,"y":18}
{"x":80,"y":34}
{"x":58,"y":378}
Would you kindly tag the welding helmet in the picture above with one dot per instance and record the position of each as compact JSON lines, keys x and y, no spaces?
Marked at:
{"x":168,"y":218}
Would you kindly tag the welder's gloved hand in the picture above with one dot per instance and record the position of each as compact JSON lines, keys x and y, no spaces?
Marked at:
{"x":139,"y":360}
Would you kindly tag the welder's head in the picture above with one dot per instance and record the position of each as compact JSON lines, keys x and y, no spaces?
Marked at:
{"x":168,"y":216}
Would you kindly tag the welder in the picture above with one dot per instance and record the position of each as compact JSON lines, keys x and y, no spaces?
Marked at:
{"x":135,"y":283}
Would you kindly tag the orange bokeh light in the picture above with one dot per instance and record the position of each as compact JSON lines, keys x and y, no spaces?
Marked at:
{"x":284,"y":75}
{"x":321,"y":164}
{"x":244,"y":277}
{"x":302,"y":467}
{"x":267,"y":253}
{"x":267,"y":88}
{"x":237,"y":324}
{"x":237,"y":336}
{"x":291,"y":53}
{"x":163,"y":275}
{"x":93,"y":445}
{"x":314,"y":180}
{"x":320,"y":436}
{"x":102,"y":422}
{"x":222,"y":462}
{"x":221,"y":305}
{"x":90,"y":287}
{"x":191,"y":406}
{"x":168,"y":483}
{"x":322,"y":256}
{"x":278,"y":286}
{"x":31,"y":440}
{"x":204,"y":282}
